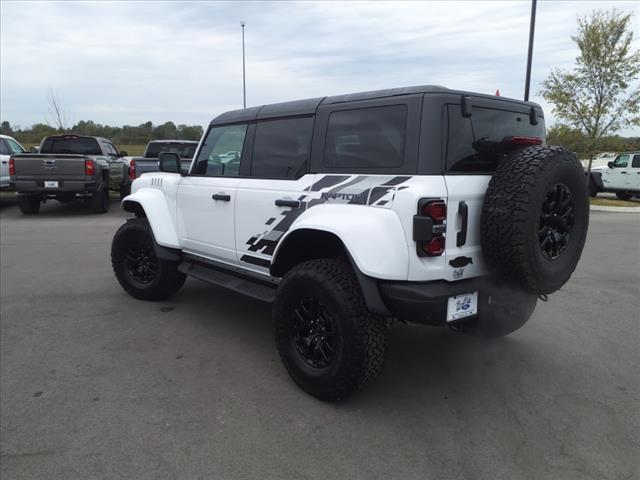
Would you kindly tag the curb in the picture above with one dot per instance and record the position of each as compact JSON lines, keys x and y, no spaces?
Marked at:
{"x":603,"y":208}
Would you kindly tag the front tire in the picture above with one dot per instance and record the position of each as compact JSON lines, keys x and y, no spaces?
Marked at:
{"x":29,"y":204}
{"x":624,"y":195}
{"x":329,"y":342}
{"x":138,"y":269}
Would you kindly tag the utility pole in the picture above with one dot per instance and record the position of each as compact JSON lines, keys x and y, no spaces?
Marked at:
{"x":244,"y":75}
{"x":532,"y":28}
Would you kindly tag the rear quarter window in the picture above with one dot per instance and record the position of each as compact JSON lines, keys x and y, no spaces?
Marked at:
{"x":476,"y":144}
{"x":366,"y":138}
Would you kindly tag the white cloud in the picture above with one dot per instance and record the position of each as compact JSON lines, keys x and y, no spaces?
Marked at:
{"x":129,"y":62}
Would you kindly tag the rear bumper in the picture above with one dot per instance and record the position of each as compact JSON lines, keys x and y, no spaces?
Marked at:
{"x":426,"y":302}
{"x":64,"y":186}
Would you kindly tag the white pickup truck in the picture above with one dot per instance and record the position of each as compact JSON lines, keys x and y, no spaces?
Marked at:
{"x":622,"y":177}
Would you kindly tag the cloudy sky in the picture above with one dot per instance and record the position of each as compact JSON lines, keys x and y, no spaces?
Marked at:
{"x":128,"y":62}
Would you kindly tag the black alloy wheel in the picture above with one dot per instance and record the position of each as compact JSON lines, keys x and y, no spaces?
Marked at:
{"x":141,"y":262}
{"x":556,"y":221}
{"x":314,"y":333}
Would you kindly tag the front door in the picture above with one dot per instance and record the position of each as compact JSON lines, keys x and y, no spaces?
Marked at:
{"x":207,"y":196}
{"x":615,"y":178}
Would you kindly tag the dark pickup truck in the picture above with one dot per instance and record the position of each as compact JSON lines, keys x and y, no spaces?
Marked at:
{"x":149,"y":161}
{"x":68,"y":167}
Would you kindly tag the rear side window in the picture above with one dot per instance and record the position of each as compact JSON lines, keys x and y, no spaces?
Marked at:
{"x":477,"y":143}
{"x":185,"y":150}
{"x":366,"y":138}
{"x":4,"y":149}
{"x":636,"y":161}
{"x":281,"y":148}
{"x":71,"y":146}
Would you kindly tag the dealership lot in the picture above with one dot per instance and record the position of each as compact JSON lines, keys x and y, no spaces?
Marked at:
{"x":95,"y":384}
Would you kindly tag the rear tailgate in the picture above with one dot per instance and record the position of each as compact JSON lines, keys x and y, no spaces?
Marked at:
{"x":50,"y":167}
{"x":475,"y":146}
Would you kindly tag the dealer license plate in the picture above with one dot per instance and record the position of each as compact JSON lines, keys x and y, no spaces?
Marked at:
{"x":461,"y":306}
{"x":51,"y":184}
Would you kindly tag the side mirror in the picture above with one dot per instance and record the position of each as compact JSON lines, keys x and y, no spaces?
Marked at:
{"x":610,"y":164}
{"x":123,"y":153}
{"x":169,"y":162}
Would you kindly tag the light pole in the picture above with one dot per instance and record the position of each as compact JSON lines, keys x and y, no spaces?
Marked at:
{"x":244,"y":75}
{"x":532,"y":28}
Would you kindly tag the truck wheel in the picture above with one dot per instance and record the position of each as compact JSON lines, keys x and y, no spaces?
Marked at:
{"x":535,"y":217}
{"x":125,"y":190}
{"x":624,"y":195}
{"x":330,"y":343}
{"x":99,"y":202}
{"x":138,"y":269}
{"x":502,"y":311}
{"x":593,"y":189}
{"x":29,"y":204}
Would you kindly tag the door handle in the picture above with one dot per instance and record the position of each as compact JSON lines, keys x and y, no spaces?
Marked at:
{"x":221,"y":196}
{"x":281,"y":202}
{"x":463,"y":211}
{"x":624,"y":173}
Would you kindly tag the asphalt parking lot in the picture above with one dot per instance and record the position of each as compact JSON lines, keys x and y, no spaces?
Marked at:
{"x":95,"y":384}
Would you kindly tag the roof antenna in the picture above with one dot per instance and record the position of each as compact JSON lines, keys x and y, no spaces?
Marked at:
{"x":532,"y":28}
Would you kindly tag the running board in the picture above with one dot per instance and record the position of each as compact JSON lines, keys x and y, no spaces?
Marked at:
{"x":246,"y":286}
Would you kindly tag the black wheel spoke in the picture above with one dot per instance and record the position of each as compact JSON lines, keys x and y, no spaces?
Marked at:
{"x":556,"y":221}
{"x":312,"y":329}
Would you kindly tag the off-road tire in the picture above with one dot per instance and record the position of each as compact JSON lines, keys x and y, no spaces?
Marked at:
{"x":361,"y":336}
{"x":512,"y":216}
{"x":501,"y":311}
{"x":99,"y":202}
{"x":624,"y":195}
{"x":29,"y":204}
{"x":593,"y":189}
{"x":166,"y":281}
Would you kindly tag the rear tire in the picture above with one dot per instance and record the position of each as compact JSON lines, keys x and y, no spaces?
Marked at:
{"x":29,"y":204}
{"x":99,"y":202}
{"x":535,"y":217}
{"x":593,"y":189}
{"x":624,"y":195}
{"x":329,"y":342}
{"x":138,"y":269}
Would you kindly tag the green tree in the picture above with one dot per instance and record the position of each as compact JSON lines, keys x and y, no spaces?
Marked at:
{"x":595,"y":97}
{"x":5,"y":128}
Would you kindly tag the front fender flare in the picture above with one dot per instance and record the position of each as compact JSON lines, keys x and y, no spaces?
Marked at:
{"x":152,"y":203}
{"x":373,"y":237}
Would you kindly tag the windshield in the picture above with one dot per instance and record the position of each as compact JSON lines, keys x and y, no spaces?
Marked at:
{"x":71,"y":145}
{"x":185,"y":150}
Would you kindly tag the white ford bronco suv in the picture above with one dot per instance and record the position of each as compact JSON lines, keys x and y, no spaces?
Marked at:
{"x":422,"y":204}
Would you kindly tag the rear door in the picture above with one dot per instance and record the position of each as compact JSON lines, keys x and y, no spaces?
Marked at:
{"x":475,"y":145}
{"x":271,"y":197}
{"x":634,"y":173}
{"x":206,"y":200}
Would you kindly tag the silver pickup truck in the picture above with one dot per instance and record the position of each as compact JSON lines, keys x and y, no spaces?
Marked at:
{"x":68,"y":167}
{"x":149,"y":161}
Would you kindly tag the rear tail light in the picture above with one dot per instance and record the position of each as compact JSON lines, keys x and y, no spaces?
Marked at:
{"x":12,"y":166}
{"x":89,"y":167}
{"x":429,"y":227}
{"x":436,"y":209}
{"x":132,"y":170}
{"x":522,"y":140}
{"x":434,"y":247}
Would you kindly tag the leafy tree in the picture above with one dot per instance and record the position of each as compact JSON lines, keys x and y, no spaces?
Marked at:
{"x":5,"y":128}
{"x":594,"y":97}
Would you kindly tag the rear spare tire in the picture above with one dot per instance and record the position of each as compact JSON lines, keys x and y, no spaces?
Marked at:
{"x":535,"y":217}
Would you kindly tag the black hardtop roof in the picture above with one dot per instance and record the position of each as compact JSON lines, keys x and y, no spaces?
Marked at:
{"x":310,"y":105}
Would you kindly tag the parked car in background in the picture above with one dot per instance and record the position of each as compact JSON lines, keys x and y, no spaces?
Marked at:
{"x":8,"y":146}
{"x":621,"y":176}
{"x":149,"y":160}
{"x":68,"y":167}
{"x":600,"y":161}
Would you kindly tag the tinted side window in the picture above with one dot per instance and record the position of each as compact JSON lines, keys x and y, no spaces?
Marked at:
{"x":636,"y":161}
{"x":221,"y":152}
{"x":477,"y":143}
{"x":281,"y":148}
{"x":4,"y":150}
{"x":366,"y":137}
